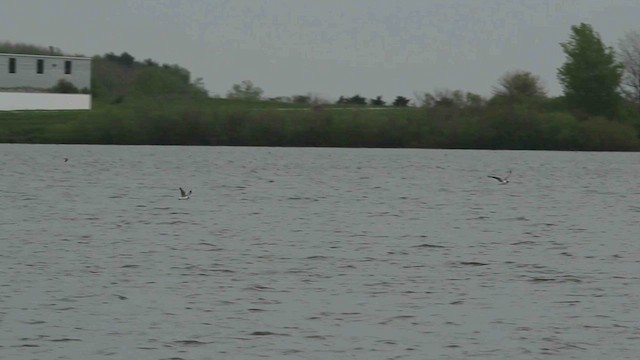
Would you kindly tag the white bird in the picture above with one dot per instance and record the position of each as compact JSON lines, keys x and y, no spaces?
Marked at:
{"x":504,"y":180}
{"x":184,"y":195}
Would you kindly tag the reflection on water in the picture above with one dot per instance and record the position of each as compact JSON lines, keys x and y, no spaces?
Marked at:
{"x":317,"y":254}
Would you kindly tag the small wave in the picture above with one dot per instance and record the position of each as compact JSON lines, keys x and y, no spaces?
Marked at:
{"x":524,"y":242}
{"x":259,"y":288}
{"x":563,"y":279}
{"x":544,"y":224}
{"x":383,"y":214}
{"x":64,"y":340}
{"x":190,"y":343}
{"x":209,"y":244}
{"x":517,"y":218}
{"x":434,"y":246}
{"x":227,"y":271}
{"x":399,"y":317}
{"x":479,"y":218}
{"x":291,"y":352}
{"x":267,"y":333}
{"x":176,"y":222}
{"x":302,"y":198}
{"x":317,"y":257}
{"x":472,"y":263}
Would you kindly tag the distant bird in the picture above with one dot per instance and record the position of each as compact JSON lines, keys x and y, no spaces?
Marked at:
{"x":184,"y":195}
{"x":66,"y":159}
{"x":502,"y":181}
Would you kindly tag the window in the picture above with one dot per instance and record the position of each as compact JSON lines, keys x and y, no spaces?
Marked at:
{"x":12,"y":65}
{"x":67,"y":67}
{"x":40,"y":67}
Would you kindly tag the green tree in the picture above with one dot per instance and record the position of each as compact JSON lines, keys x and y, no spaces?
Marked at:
{"x":125,"y":58}
{"x":474,"y":100}
{"x":24,"y":48}
{"x":149,"y":62}
{"x":401,"y":101}
{"x":377,"y":101}
{"x":357,"y":100}
{"x":245,"y":91}
{"x":590,"y":75}
{"x":354,"y":100}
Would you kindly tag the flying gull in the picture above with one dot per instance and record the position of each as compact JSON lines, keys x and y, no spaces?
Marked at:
{"x":502,"y":181}
{"x":184,"y":195}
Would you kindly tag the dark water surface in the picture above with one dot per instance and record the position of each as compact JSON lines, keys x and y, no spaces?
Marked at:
{"x":317,"y":254}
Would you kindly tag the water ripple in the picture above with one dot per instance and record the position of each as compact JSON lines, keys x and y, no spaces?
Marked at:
{"x":317,"y":254}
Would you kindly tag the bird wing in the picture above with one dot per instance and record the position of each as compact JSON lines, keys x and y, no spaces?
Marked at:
{"x":509,"y":174}
{"x":182,"y":193}
{"x":495,"y":177}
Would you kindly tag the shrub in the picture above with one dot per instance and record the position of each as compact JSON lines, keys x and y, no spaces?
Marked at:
{"x":600,"y":134}
{"x":64,"y":87}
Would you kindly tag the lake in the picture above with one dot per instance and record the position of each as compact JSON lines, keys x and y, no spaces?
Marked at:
{"x":308,"y":253}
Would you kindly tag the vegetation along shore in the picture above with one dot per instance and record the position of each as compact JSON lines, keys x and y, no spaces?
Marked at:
{"x":144,"y":102}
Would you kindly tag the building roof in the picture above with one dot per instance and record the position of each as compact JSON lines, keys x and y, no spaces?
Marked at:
{"x":48,"y":56}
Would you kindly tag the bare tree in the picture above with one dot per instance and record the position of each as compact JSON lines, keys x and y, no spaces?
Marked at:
{"x":629,"y":56}
{"x":443,"y":98}
{"x":519,"y":84}
{"x":246,"y":90}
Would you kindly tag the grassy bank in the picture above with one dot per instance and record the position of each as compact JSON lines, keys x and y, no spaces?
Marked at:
{"x":198,"y":121}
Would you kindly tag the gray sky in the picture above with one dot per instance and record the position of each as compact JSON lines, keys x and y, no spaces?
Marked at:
{"x":327,"y":47}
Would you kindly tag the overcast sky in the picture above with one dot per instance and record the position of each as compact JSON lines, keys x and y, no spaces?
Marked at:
{"x":326,"y":47}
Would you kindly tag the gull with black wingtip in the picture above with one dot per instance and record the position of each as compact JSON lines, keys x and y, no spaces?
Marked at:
{"x":184,"y":195}
{"x":502,"y":181}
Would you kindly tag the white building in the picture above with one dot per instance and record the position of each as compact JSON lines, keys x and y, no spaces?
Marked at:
{"x":25,"y":81}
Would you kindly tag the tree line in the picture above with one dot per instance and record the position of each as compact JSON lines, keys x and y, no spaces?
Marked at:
{"x":596,"y":80}
{"x":24,"y":48}
{"x":116,"y":78}
{"x":144,"y":102}
{"x":601,"y":94}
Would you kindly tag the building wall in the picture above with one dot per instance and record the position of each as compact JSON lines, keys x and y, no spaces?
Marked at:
{"x":44,"y":101}
{"x":26,"y":74}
